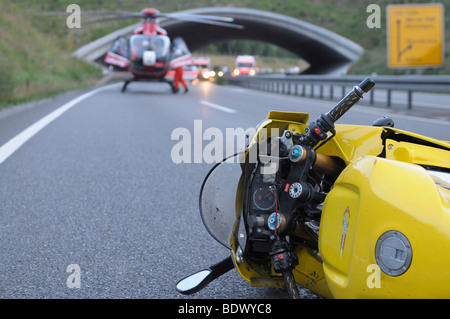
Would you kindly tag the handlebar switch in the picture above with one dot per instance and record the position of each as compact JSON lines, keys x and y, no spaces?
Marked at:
{"x":282,"y":257}
{"x":318,"y":131}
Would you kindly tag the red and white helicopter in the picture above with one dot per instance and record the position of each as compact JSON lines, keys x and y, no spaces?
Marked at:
{"x":149,"y":53}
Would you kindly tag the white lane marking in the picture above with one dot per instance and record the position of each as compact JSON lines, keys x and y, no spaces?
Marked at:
{"x":7,"y":149}
{"x":218,"y":107}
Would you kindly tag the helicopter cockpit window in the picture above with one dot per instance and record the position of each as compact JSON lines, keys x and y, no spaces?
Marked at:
{"x":140,"y":43}
{"x":121,"y":47}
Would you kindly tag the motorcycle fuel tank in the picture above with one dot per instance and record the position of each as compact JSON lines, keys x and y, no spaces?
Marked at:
{"x":385,"y":232}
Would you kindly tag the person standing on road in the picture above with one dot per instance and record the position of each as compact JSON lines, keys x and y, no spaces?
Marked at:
{"x":179,"y":78}
{"x":181,"y":57}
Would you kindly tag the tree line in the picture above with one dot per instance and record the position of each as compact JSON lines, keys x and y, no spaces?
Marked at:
{"x":248,"y":47}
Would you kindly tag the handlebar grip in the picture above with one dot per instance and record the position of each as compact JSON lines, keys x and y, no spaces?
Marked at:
{"x":350,"y":99}
{"x":318,"y":131}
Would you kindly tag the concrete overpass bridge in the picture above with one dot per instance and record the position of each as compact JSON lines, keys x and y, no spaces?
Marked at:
{"x":325,"y":51}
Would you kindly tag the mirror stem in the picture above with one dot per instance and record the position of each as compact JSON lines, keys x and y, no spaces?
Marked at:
{"x":222,"y":267}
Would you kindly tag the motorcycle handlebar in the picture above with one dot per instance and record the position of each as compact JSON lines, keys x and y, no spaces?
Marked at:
{"x":318,"y":130}
{"x":350,"y":99}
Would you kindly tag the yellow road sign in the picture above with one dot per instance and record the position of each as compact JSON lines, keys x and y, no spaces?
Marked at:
{"x":415,"y":36}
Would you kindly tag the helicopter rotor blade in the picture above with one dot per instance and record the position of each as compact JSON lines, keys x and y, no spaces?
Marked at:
{"x":117,"y":17}
{"x":114,"y":15}
{"x":62,"y":13}
{"x":200,"y":19}
{"x":221,"y":24}
{"x":197,"y":16}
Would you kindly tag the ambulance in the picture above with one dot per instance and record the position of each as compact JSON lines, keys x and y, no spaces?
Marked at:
{"x":244,"y":65}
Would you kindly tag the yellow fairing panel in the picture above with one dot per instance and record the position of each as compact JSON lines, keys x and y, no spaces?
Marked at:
{"x":375,"y":195}
{"x":418,"y":154}
{"x":354,"y":141}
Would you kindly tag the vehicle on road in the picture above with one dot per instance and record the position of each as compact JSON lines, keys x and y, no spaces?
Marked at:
{"x":346,"y":211}
{"x":204,"y":67}
{"x":190,"y":73}
{"x":244,"y":65}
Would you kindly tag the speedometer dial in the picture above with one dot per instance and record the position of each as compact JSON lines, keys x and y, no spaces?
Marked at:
{"x":264,"y":198}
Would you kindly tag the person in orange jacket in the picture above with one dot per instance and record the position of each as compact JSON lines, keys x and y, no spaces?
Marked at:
{"x":179,"y":78}
{"x":180,"y":58}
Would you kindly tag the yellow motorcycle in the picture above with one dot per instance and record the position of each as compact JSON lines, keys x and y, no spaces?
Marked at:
{"x":346,"y":211}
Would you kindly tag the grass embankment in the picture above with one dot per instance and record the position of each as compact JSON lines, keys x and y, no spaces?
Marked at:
{"x":32,"y":64}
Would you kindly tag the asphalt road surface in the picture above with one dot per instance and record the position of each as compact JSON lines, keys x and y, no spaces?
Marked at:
{"x":93,"y":191}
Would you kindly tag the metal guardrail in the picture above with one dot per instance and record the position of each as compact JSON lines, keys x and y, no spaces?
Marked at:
{"x":296,"y":85}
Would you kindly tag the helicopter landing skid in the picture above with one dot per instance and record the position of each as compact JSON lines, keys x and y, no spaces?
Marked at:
{"x":128,"y":81}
